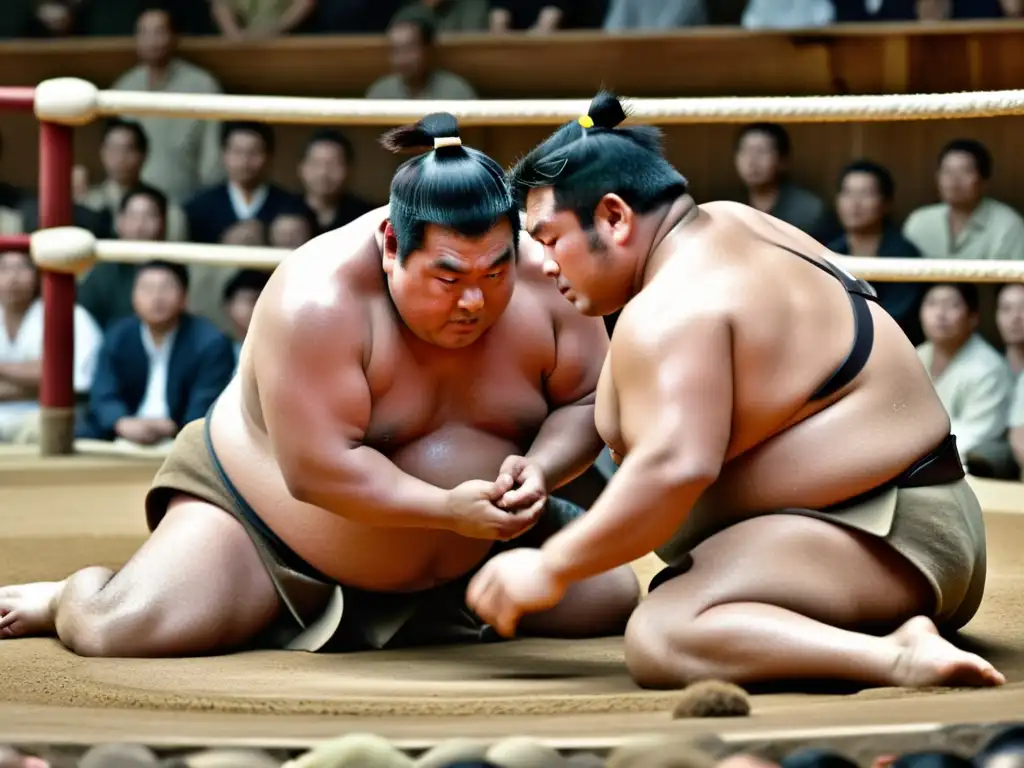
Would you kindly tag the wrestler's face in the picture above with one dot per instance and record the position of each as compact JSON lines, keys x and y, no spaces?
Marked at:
{"x":591,"y":267}
{"x":1010,"y":314}
{"x":141,"y":219}
{"x":958,"y":179}
{"x":945,"y":316}
{"x":860,"y":203}
{"x":19,"y":283}
{"x":451,"y":290}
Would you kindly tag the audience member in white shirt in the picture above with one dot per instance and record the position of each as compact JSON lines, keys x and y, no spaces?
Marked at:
{"x":972,"y":379}
{"x":21,"y":346}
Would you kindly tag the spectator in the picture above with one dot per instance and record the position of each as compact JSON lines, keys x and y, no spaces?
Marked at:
{"x":762,"y":157}
{"x":160,"y":369}
{"x":247,"y":149}
{"x":324,"y":174}
{"x":291,"y":231}
{"x":875,"y":10}
{"x":21,"y":345}
{"x":354,"y":16}
{"x":260,"y":19}
{"x":116,"y":18}
{"x":207,"y":282}
{"x":252,"y":233}
{"x":10,"y":196}
{"x":55,"y":18}
{"x":787,"y":14}
{"x":123,"y":152}
{"x":971,"y":378}
{"x":966,"y":224}
{"x":654,"y":14}
{"x":106,"y":291}
{"x":411,"y":36}
{"x":183,"y":152}
{"x":864,"y":203}
{"x":539,"y":16}
{"x":1010,"y":322}
{"x":240,"y":295}
{"x":458,"y":15}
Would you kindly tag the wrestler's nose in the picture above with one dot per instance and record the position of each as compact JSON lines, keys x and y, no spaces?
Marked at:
{"x":551,"y":268}
{"x":472,"y":299}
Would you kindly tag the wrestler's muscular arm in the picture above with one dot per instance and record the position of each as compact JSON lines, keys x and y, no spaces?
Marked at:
{"x":568,"y":442}
{"x":673,"y":376}
{"x":316,"y":404}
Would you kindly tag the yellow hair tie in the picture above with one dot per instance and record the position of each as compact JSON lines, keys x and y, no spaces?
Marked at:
{"x":585,"y":121}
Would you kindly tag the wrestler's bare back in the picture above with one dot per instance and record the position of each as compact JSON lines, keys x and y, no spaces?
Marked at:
{"x":791,"y":327}
{"x":443,"y":416}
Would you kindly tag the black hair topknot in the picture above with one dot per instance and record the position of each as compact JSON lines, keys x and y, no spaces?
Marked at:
{"x":451,"y":186}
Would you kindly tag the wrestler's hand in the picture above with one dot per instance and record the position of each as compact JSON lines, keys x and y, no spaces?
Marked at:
{"x":473,"y":512}
{"x":512,"y":584}
{"x":527,"y":485}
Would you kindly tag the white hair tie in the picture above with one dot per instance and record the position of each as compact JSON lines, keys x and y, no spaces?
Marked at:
{"x":447,"y":141}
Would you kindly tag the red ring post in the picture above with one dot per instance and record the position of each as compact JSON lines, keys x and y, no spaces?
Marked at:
{"x":56,"y":391}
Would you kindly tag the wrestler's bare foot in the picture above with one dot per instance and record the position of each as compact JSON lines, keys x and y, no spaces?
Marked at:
{"x":29,"y":609}
{"x":927,"y":659}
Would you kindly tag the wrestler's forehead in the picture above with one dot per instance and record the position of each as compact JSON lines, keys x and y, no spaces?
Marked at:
{"x":472,"y":252}
{"x":540,"y":208}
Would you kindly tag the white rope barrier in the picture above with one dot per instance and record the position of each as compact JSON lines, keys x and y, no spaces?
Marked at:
{"x":74,"y":250}
{"x":72,"y":101}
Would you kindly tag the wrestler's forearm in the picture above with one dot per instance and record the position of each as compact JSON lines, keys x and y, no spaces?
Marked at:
{"x":640,"y":509}
{"x":366,"y":487}
{"x":566,"y":445}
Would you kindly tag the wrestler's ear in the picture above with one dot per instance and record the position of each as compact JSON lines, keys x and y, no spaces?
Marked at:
{"x":614,"y":219}
{"x":389,"y":253}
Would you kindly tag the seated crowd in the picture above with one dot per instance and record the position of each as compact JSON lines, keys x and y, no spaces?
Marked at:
{"x":261,"y":19}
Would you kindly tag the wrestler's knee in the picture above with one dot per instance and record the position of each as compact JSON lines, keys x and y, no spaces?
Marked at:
{"x":655,"y":647}
{"x":85,"y":621}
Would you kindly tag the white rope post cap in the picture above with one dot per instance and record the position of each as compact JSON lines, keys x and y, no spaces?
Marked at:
{"x":447,"y":141}
{"x":70,"y":250}
{"x":67,"y":100}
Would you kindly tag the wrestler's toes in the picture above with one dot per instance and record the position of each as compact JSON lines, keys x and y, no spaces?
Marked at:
{"x":926,"y":659}
{"x":28,"y":609}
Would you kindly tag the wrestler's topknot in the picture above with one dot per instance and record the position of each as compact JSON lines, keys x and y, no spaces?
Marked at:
{"x":595,"y":155}
{"x":420,"y":137}
{"x":606,"y":110}
{"x":447,"y":184}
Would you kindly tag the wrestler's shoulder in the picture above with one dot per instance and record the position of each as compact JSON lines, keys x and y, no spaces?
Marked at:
{"x":330,"y":277}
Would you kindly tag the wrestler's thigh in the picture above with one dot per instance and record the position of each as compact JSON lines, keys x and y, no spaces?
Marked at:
{"x":195,"y":586}
{"x":595,"y":607}
{"x":820,"y":570}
